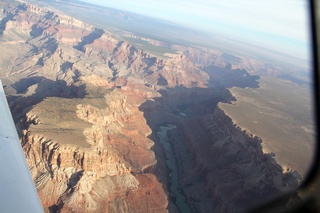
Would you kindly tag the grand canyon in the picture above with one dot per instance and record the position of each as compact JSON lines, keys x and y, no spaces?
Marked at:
{"x":107,"y":125}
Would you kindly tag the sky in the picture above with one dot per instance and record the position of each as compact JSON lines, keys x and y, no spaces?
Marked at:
{"x":273,"y":24}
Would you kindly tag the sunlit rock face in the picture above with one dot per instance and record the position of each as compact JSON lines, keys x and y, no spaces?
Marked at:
{"x":92,"y":158}
{"x":87,"y":106}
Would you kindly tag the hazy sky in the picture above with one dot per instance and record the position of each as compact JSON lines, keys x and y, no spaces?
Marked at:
{"x":275,"y":24}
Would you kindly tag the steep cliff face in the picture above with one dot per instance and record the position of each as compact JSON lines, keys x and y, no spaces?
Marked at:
{"x":61,"y":47}
{"x":106,"y":173}
{"x":203,"y":58}
{"x":87,"y":102}
{"x":222,"y":168}
{"x":228,"y":163}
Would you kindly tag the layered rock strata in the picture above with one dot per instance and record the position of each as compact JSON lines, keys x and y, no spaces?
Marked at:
{"x":222,"y":168}
{"x":107,"y":172}
{"x":82,"y":99}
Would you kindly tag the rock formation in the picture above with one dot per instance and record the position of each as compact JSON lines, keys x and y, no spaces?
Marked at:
{"x":92,"y":159}
{"x":221,"y":167}
{"x":88,"y":104}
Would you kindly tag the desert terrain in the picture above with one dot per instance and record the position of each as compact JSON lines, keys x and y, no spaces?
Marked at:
{"x":115,"y":120}
{"x":282,"y":113}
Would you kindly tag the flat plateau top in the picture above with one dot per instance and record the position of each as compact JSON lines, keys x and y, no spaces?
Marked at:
{"x":18,"y":193}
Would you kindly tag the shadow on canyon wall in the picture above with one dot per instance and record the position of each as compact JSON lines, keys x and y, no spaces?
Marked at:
{"x":33,"y":90}
{"x":9,"y":16}
{"x":221,"y":167}
{"x":97,"y":33}
{"x":228,"y":77}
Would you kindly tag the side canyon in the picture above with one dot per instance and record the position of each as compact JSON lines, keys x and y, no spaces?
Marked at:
{"x":88,"y":107}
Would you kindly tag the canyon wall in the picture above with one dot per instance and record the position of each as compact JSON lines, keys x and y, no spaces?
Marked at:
{"x":222,"y":168}
{"x":216,"y":155}
{"x":88,"y":105}
{"x":108,"y":171}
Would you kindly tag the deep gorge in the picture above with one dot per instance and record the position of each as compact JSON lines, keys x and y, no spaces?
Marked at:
{"x":221,"y":168}
{"x":88,"y":108}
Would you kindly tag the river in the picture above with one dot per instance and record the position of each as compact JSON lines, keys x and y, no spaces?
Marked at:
{"x":173,"y":170}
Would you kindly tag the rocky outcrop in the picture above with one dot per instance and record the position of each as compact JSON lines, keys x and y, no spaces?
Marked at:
{"x":109,"y":173}
{"x":54,"y":40}
{"x":222,"y":168}
{"x":203,"y":57}
{"x":228,"y":163}
{"x":87,"y":102}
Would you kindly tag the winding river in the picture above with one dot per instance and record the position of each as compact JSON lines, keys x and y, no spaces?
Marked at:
{"x":173,"y":170}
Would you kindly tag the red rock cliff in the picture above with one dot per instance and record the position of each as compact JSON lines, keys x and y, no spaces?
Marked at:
{"x":105,"y":172}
